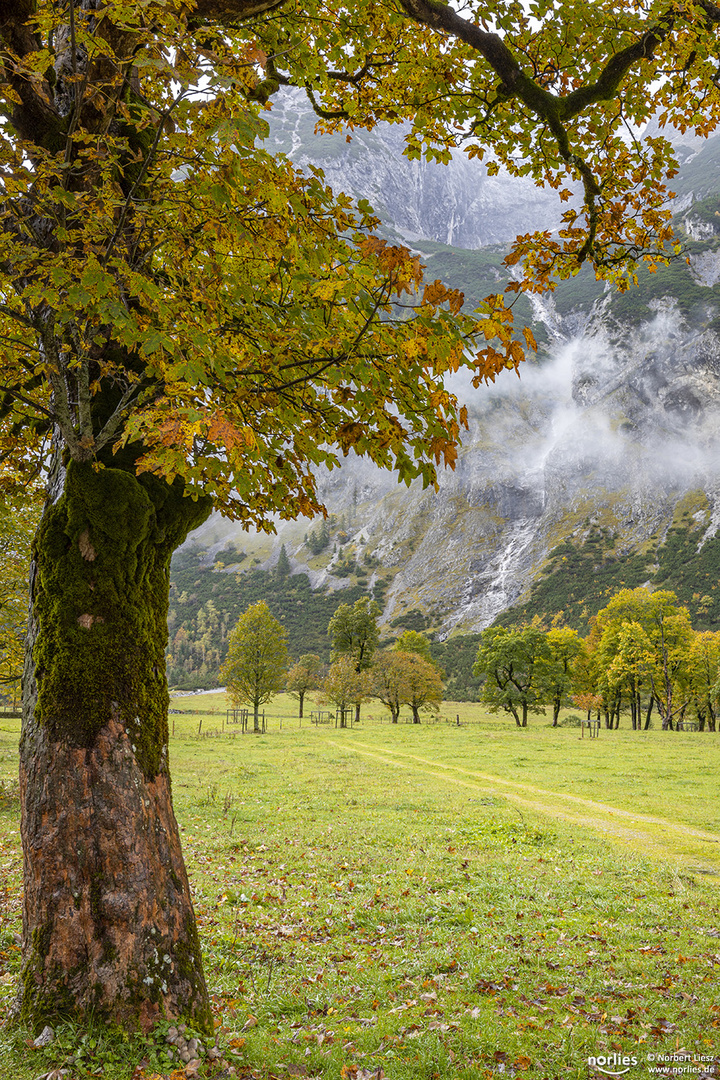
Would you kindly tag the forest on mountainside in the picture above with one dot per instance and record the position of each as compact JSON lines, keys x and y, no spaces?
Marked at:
{"x":578,"y":579}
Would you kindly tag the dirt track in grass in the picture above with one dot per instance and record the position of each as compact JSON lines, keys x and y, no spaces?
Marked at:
{"x":696,"y":850}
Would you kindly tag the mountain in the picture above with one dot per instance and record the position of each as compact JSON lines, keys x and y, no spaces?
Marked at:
{"x":599,"y":467}
{"x":457,"y":205}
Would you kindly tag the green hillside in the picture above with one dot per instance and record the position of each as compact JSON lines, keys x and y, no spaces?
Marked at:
{"x":206,"y":603}
{"x":578,"y":579}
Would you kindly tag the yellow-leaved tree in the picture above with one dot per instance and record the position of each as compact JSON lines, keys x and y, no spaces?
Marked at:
{"x":254,"y":668}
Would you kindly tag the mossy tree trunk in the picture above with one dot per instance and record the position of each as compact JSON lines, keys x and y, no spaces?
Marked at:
{"x":108,"y":921}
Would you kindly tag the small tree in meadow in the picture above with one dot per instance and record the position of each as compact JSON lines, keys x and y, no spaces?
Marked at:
{"x":386,"y":677}
{"x":345,"y":686}
{"x":512,"y":663}
{"x":257,"y":657}
{"x":421,"y":685}
{"x":303,"y":676}
{"x":354,"y":633}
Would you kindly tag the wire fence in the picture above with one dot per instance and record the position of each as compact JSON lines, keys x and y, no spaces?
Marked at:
{"x":216,"y":722}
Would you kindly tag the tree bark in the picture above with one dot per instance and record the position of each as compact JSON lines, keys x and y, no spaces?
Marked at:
{"x":108,"y":924}
{"x":648,"y":714}
{"x":301,"y":695}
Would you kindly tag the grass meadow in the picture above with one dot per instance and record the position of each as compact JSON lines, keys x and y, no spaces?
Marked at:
{"x":432,"y":902}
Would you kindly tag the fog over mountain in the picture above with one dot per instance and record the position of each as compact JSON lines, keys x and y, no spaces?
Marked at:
{"x":613,"y":433}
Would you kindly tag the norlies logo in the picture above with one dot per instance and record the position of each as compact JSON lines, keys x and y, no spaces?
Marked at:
{"x":609,"y":1064}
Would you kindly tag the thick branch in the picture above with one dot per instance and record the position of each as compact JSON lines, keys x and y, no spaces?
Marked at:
{"x":516,"y":83}
{"x":711,"y":10}
{"x":112,"y":425}
{"x":438,"y":16}
{"x":230,"y":12}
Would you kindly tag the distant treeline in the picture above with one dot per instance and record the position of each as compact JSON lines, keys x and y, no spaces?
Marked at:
{"x":206,"y":604}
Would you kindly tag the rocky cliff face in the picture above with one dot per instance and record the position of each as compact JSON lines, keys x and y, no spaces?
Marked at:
{"x":457,"y":205}
{"x":604,"y":435}
{"x":608,"y":435}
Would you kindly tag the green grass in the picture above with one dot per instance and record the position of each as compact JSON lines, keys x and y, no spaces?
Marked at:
{"x":433,"y":901}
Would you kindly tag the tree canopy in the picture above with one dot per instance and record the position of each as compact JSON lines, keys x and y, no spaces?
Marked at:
{"x":169,"y":284}
{"x":18,"y":522}
{"x":172,"y":288}
{"x":344,"y":685}
{"x":354,"y":632}
{"x":515,"y":665}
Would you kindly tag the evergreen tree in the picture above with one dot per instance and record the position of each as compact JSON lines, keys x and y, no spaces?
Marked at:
{"x":282,"y":570}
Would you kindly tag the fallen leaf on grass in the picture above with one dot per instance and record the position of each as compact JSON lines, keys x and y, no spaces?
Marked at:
{"x":663,"y":1027}
{"x":404,"y":1006}
{"x":352,"y":1072}
{"x":140,"y":1074}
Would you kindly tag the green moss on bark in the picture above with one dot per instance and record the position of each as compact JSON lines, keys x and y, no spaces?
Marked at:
{"x":100,"y":599}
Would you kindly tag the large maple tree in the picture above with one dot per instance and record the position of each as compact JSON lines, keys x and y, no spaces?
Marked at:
{"x":189,"y":322}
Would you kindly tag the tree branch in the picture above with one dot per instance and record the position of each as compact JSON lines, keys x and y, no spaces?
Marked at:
{"x":229,"y":12}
